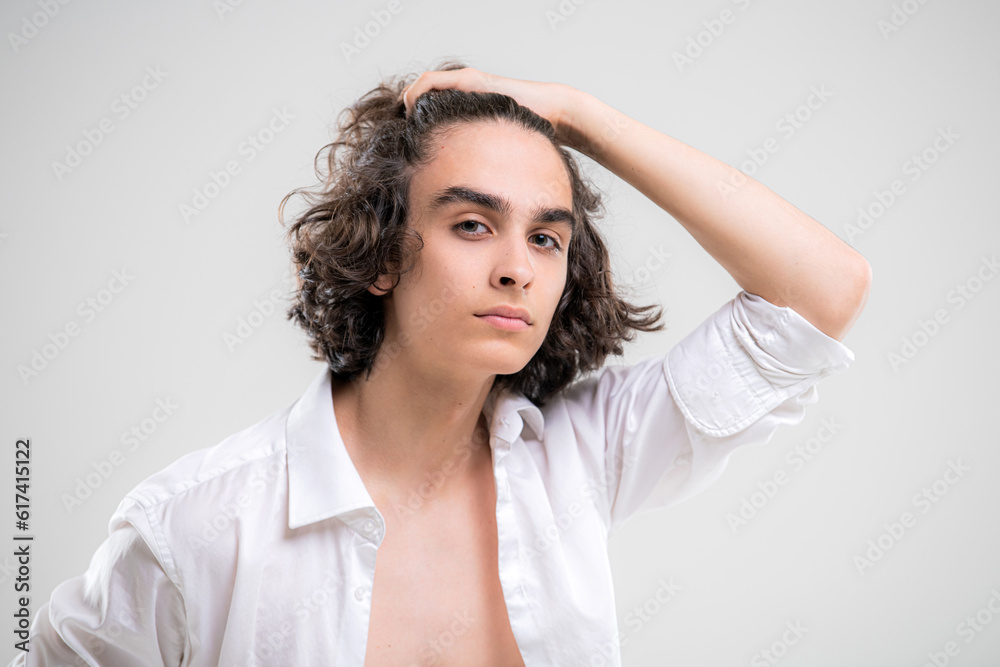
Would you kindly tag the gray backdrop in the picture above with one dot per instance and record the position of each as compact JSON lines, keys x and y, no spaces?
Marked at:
{"x":876,"y":118}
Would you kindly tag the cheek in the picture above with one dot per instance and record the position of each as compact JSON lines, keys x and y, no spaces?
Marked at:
{"x":462,"y":275}
{"x":556,"y":295}
{"x":558,"y":286}
{"x":445,"y":290}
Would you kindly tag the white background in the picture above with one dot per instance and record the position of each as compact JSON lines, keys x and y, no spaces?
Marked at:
{"x":889,"y":91}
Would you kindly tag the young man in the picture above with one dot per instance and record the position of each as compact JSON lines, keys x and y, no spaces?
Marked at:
{"x":444,"y":490}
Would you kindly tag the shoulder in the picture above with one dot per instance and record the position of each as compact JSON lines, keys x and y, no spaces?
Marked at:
{"x":208,"y":474}
{"x":614,"y":384}
{"x":195,"y":513}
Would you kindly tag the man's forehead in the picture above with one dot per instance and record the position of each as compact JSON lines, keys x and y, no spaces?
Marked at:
{"x":482,"y":150}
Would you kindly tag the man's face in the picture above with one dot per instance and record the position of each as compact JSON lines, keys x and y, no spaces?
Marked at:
{"x":476,"y":258}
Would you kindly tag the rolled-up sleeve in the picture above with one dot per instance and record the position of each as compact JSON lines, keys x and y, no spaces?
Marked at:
{"x":671,"y":422}
{"x":124,"y":610}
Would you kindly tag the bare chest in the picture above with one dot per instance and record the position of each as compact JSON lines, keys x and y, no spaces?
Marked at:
{"x":436,"y":598}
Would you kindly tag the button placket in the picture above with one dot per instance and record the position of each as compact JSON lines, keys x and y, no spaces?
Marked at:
{"x":503,"y":487}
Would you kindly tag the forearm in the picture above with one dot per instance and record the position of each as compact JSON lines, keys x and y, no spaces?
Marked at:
{"x":770,"y":248}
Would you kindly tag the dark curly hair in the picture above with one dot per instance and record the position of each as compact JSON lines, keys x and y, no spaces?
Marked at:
{"x":355,"y":229}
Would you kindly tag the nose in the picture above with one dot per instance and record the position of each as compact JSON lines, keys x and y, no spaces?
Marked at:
{"x":513,"y":266}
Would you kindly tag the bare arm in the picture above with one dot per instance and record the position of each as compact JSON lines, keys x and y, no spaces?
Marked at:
{"x":768,"y":246}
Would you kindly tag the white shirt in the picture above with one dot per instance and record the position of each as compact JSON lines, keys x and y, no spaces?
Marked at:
{"x":261,"y":549}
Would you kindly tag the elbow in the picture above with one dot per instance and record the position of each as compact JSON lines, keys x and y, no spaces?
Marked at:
{"x":853,"y":298}
{"x":862,"y":283}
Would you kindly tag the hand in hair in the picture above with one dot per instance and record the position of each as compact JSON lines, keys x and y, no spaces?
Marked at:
{"x":769,"y":247}
{"x":548,"y":100}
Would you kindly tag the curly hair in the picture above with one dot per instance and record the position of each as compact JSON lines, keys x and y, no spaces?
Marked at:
{"x":355,"y":229}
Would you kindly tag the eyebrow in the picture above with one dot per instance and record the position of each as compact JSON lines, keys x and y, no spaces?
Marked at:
{"x":457,"y":194}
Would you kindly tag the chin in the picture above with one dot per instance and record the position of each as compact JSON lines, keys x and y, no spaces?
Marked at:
{"x":504,"y":365}
{"x":496,"y":356}
{"x":513,"y":370}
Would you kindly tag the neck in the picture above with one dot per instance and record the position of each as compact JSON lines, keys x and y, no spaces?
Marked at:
{"x":408,"y":430}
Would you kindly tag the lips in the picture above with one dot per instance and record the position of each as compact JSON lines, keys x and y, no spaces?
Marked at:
{"x":508,"y":311}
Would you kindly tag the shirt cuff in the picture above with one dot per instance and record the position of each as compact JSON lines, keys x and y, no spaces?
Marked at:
{"x":746,"y":359}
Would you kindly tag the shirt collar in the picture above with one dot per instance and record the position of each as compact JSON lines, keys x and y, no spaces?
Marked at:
{"x":507,"y":413}
{"x":322,"y":479}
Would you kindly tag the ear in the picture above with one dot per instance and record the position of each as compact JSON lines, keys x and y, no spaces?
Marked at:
{"x":381,"y":286}
{"x":383,"y":283}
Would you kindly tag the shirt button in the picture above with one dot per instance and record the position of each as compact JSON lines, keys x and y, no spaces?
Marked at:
{"x":368,"y":526}
{"x":359,"y":593}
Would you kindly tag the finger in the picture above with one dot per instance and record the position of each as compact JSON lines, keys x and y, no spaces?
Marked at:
{"x":467,"y":79}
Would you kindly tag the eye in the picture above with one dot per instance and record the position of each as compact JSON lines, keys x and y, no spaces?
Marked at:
{"x":463,"y":228}
{"x":468,"y":222}
{"x":555,"y":244}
